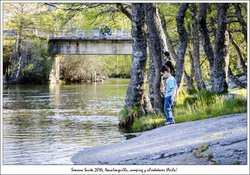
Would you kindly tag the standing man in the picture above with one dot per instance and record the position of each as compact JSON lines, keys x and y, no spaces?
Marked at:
{"x":169,"y":61}
{"x":170,"y":92}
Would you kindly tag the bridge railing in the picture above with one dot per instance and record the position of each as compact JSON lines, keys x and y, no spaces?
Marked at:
{"x":86,"y":33}
{"x":25,"y":32}
{"x":72,"y":33}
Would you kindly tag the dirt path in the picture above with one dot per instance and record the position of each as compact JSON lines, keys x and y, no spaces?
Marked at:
{"x":221,"y":140}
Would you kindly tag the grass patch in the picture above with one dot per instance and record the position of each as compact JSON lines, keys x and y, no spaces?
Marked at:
{"x":198,"y":152}
{"x":210,"y":156}
{"x":191,"y":107}
{"x":216,"y":162}
{"x":241,"y":92}
{"x":206,"y":104}
{"x":123,"y":115}
{"x":147,"y":122}
{"x":235,"y":162}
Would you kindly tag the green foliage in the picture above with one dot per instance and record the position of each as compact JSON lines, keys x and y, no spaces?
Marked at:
{"x":202,"y":105}
{"x":210,"y":156}
{"x":38,"y":64}
{"x":87,"y":16}
{"x":118,"y":65}
{"x":169,"y":11}
{"x":147,"y":122}
{"x":204,"y":96}
{"x":216,"y":162}
{"x":137,"y":112}
{"x":123,"y":115}
{"x":132,"y":118}
{"x":28,"y":68}
{"x":82,"y":68}
{"x":109,"y":17}
{"x":240,"y":92}
{"x":205,"y":104}
{"x":235,"y":162}
{"x":198,"y":152}
{"x":8,"y":51}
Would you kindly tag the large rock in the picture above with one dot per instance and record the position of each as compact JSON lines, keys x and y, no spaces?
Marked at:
{"x":225,"y":140}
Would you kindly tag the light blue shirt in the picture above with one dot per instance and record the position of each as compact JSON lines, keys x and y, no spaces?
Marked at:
{"x":170,"y":85}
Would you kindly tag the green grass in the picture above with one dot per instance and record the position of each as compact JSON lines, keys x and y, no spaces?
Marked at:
{"x":235,"y":162}
{"x":122,"y":116}
{"x":205,"y":104}
{"x":198,"y":106}
{"x":198,"y":152}
{"x":241,"y":92}
{"x":147,"y":122}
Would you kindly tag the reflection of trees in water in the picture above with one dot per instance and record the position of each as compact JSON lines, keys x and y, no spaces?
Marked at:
{"x":48,"y":121}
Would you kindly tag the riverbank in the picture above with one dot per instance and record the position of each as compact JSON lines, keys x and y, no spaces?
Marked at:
{"x":221,"y":140}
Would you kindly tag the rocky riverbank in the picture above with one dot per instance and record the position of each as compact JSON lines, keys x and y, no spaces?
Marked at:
{"x":221,"y":140}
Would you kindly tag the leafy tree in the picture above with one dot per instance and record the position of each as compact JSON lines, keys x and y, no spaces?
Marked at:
{"x":196,"y":48}
{"x":217,"y":56}
{"x":29,"y":58}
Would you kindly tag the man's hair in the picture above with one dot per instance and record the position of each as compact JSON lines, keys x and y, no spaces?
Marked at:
{"x":165,"y":68}
{"x":166,"y":53}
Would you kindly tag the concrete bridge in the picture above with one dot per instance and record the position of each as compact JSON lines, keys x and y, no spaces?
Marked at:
{"x":78,"y":42}
{"x":81,"y":42}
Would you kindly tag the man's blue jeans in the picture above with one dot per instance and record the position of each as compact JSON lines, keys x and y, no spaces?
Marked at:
{"x":168,"y":109}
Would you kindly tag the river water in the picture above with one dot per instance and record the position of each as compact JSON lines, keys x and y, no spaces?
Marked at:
{"x":48,"y":124}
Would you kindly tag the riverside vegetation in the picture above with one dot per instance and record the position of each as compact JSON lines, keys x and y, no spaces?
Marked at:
{"x":208,"y":41}
{"x":190,"y":107}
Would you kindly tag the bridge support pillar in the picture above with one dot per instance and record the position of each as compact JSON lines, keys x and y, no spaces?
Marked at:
{"x":54,"y":76}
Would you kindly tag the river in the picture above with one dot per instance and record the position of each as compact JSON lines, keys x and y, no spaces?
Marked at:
{"x":48,"y":124}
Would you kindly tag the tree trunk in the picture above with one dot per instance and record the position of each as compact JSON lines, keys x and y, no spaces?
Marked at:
{"x":217,"y":58}
{"x":226,"y":67}
{"x":242,"y":62}
{"x":218,"y":74}
{"x":211,"y":21}
{"x":155,"y":49}
{"x":196,"y":49}
{"x":151,"y":77}
{"x":135,"y":97}
{"x":189,"y":81}
{"x":182,"y":45}
{"x":161,"y":31}
{"x":207,"y":46}
{"x":17,"y":59}
{"x":168,"y":40}
{"x":241,"y":20}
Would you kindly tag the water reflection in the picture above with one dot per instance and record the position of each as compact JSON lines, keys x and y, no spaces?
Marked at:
{"x":48,"y":124}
